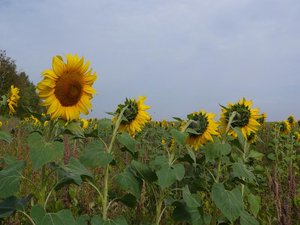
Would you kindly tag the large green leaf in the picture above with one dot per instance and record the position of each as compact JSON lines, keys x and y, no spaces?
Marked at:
{"x":128,"y":182}
{"x":190,"y":200}
{"x":63,"y":217}
{"x":75,"y":129}
{"x":229,"y":202}
{"x":143,"y":171}
{"x":247,"y":219}
{"x":254,"y":204}
{"x":178,"y":136}
{"x":9,"y":205}
{"x":167,"y":175}
{"x":128,"y":142}
{"x":240,"y":170}
{"x":97,"y":220}
{"x":73,"y":173}
{"x":4,"y":136}
{"x":10,"y":178}
{"x":42,"y":152}
{"x":215,"y":150}
{"x":94,"y":155}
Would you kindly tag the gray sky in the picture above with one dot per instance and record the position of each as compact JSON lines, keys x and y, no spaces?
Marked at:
{"x":184,"y":55}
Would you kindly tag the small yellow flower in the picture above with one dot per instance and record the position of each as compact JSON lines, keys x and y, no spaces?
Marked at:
{"x":291,"y":120}
{"x":0,"y":123}
{"x":13,"y":98}
{"x":84,"y":123}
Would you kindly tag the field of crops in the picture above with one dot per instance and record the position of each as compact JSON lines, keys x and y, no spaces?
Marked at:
{"x":59,"y":169}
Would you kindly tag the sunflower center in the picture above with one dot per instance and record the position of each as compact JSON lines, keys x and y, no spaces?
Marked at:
{"x":68,"y":89}
{"x":131,"y":112}
{"x":198,"y":125}
{"x":242,"y":115}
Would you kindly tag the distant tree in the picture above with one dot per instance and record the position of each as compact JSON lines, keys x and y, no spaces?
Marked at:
{"x":10,"y":76}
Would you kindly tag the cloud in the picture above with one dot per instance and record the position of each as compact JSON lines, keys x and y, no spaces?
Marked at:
{"x":183,"y":55}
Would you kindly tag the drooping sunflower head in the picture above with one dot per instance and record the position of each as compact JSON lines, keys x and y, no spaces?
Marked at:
{"x":134,"y":117}
{"x":262,"y":118}
{"x":67,"y":88}
{"x":252,"y":137}
{"x":201,"y":128}
{"x":284,"y":127}
{"x":245,"y":118}
{"x":12,"y":99}
{"x":296,"y":136}
{"x":291,"y":120}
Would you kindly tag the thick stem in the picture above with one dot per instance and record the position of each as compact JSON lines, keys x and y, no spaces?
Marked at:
{"x":106,"y":175}
{"x":67,"y":152}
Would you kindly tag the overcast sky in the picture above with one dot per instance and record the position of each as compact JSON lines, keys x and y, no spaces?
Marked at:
{"x":184,"y":55}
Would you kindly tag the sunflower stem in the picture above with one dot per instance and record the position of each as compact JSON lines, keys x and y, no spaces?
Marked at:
{"x":106,"y":175}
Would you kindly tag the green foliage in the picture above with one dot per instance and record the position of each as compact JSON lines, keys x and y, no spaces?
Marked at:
{"x":42,"y":152}
{"x":9,"y":76}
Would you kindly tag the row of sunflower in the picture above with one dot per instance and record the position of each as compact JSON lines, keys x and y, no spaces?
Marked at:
{"x":105,"y":171}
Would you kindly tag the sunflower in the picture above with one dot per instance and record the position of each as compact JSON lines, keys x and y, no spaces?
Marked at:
{"x":291,"y":120}
{"x":134,"y":117}
{"x":262,"y":118}
{"x":296,"y":136}
{"x":84,"y":123}
{"x":245,"y":119}
{"x":67,"y":88}
{"x":201,"y":127}
{"x":13,"y":98}
{"x":284,"y":127}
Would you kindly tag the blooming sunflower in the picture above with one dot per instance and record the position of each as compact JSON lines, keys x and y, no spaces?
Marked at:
{"x":84,"y":123}
{"x":67,"y":88}
{"x":296,"y":136}
{"x":13,"y":98}
{"x":245,"y":119}
{"x":135,"y":115}
{"x":284,"y":127}
{"x":200,"y":129}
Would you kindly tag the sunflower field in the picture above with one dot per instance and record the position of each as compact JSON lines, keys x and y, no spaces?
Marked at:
{"x":58,"y":168}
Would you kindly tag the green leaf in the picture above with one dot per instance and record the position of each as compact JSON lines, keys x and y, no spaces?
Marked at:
{"x":256,"y":155}
{"x":42,"y":152}
{"x":4,"y":136}
{"x":229,"y":202}
{"x":10,"y":178}
{"x":75,"y":129}
{"x":178,"y":170}
{"x":94,"y":155}
{"x":37,"y":213}
{"x":128,"y":142}
{"x":63,"y":217}
{"x":254,"y":204}
{"x":73,"y":173}
{"x":143,"y":171}
{"x":180,"y":212}
{"x":129,"y":200}
{"x":240,"y":170}
{"x":9,"y":205}
{"x":168,"y":175}
{"x":215,"y":150}
{"x":178,"y":136}
{"x":129,"y":182}
{"x":271,"y":156}
{"x":97,"y":220}
{"x":240,"y":135}
{"x":247,"y":219}
{"x":83,"y":220}
{"x":189,"y":199}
